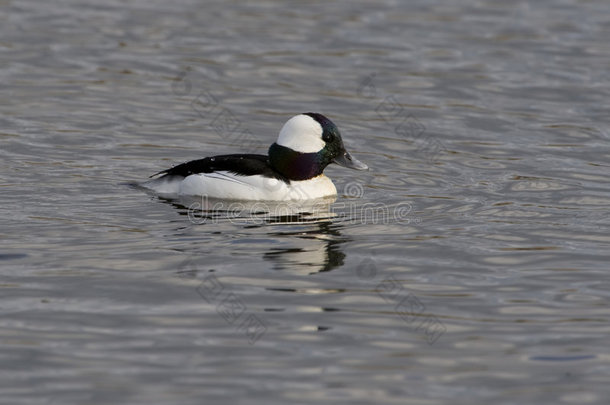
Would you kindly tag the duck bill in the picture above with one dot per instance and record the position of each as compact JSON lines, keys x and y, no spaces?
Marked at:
{"x":346,"y":160}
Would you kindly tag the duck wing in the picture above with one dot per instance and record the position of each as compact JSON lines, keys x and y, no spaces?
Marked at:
{"x":238,"y":164}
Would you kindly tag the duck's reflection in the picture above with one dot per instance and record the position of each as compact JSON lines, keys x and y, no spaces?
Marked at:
{"x":318,"y":251}
{"x":315,"y":241}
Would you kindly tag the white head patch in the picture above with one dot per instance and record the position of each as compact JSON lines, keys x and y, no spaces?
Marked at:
{"x":301,"y":133}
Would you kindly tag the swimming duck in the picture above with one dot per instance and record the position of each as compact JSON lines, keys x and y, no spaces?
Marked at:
{"x":292,"y":170}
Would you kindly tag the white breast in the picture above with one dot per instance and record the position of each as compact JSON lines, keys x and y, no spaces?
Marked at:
{"x":225,"y":185}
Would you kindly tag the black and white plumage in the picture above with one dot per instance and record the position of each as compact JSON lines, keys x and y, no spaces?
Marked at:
{"x":292,"y":170}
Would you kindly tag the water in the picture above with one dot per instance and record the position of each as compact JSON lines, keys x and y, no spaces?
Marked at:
{"x":469,"y":265}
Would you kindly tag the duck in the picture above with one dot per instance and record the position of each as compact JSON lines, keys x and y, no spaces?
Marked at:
{"x":293,"y":168}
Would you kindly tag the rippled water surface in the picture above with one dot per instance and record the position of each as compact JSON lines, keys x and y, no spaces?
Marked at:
{"x":469,"y":265}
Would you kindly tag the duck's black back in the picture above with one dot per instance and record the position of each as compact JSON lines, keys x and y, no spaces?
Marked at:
{"x":239,"y":164}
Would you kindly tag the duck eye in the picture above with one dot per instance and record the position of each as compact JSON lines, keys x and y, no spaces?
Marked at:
{"x":327,"y":137}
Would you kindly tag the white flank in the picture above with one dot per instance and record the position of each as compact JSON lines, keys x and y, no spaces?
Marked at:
{"x":224,"y":185}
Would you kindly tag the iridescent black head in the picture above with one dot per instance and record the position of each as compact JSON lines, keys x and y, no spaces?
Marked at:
{"x":307,"y":144}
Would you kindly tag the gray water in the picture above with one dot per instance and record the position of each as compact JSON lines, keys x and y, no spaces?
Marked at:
{"x":469,"y":265}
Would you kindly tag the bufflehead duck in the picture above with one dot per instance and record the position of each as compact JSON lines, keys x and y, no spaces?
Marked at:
{"x":293,"y":170}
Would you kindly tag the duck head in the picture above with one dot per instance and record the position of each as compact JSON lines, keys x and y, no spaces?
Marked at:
{"x":307,"y":143}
